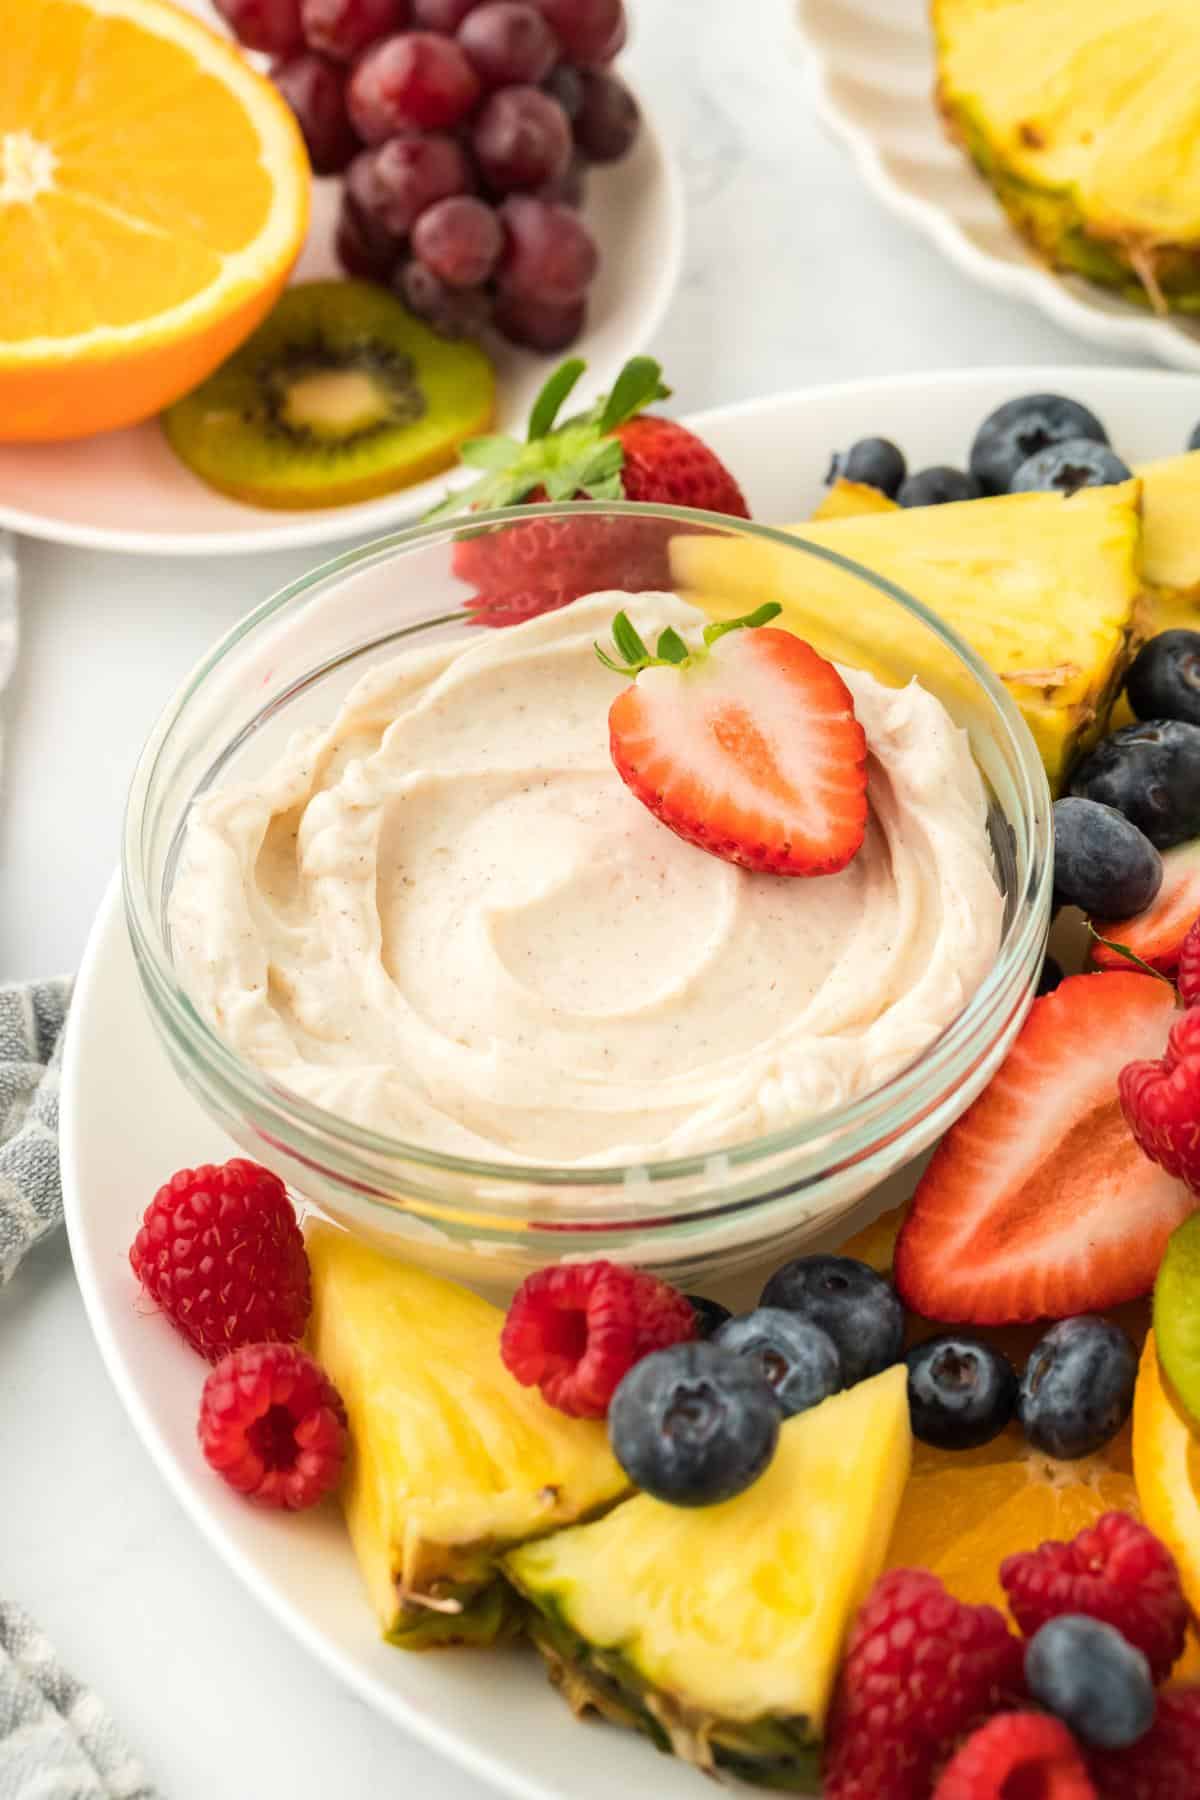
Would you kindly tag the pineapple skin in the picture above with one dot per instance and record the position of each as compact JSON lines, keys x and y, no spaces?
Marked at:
{"x":780,"y":1569}
{"x":1162,"y":275}
{"x":451,"y":1461}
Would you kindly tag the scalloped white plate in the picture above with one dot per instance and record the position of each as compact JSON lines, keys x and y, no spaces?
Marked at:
{"x":127,"y":1121}
{"x":126,"y":490}
{"x":872,"y":67}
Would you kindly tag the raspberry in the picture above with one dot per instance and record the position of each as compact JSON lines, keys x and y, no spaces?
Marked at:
{"x":1187,"y":976}
{"x":920,"y":1669}
{"x":1017,"y":1753}
{"x":273,"y":1424}
{"x":220,"y":1251}
{"x":1161,"y":1101}
{"x":1115,"y":1571}
{"x":575,"y":1330}
{"x":1163,"y":1765}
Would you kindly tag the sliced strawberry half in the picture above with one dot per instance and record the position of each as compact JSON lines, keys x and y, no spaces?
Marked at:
{"x":1038,"y":1203}
{"x":747,"y":746}
{"x":1156,"y":935}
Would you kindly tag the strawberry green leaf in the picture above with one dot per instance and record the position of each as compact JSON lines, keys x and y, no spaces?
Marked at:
{"x":628,"y":642}
{"x":489,"y":452}
{"x":671,"y":647}
{"x":637,"y":386}
{"x":548,"y":404}
{"x":748,"y":622}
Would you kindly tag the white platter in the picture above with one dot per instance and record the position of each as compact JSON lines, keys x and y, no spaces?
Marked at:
{"x":872,"y":69}
{"x":126,"y":490}
{"x":128,"y":1123}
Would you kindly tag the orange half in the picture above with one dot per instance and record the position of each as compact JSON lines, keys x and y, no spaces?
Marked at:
{"x":154,"y":194}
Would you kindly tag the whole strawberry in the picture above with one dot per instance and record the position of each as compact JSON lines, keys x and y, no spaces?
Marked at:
{"x":613,"y":451}
{"x":221,"y":1253}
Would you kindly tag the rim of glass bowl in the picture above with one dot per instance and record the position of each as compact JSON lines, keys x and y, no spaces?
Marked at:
{"x":314,"y":1132}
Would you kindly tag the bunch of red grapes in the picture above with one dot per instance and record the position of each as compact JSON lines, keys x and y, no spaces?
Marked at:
{"x":462,"y":130}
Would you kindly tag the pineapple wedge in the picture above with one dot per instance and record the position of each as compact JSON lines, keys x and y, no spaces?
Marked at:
{"x":1171,"y":540}
{"x":1047,"y":590}
{"x":851,"y":499}
{"x":452,"y":1461}
{"x":717,"y":1630}
{"x":1081,"y":117}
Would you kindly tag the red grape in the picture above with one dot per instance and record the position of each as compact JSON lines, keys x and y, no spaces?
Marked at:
{"x":616,"y":42}
{"x":608,"y":119}
{"x":539,"y":324}
{"x":565,"y":84}
{"x":364,"y":248}
{"x":549,"y":253}
{"x":395,"y":182}
{"x":460,"y":239}
{"x":584,"y":28}
{"x":416,"y":81}
{"x":345,"y":28}
{"x":521,"y":139}
{"x":270,"y":25}
{"x":453,"y":312}
{"x":441,"y":15}
{"x":507,"y":42}
{"x":312,"y":87}
{"x":567,"y":188}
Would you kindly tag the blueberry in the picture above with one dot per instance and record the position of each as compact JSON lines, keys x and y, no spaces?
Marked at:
{"x":1093,"y":1679}
{"x":1020,"y":428}
{"x":937,"y":485}
{"x":875,"y":462}
{"x":710,"y":1314}
{"x":694,"y":1424}
{"x":960,"y":1393}
{"x":1077,"y":1389}
{"x":1164,"y":679}
{"x":1151,"y":773}
{"x":1065,"y":468}
{"x":800,"y":1361}
{"x":1051,"y":975}
{"x":857,"y":1307}
{"x":1102,"y":863}
{"x":1193,"y":442}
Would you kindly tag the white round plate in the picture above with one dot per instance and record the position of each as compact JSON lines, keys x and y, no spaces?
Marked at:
{"x":872,"y":66}
{"x":127,"y":1123}
{"x":127,"y":490}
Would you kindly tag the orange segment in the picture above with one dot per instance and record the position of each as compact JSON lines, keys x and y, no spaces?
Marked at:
{"x":964,"y":1511}
{"x":153,"y":194}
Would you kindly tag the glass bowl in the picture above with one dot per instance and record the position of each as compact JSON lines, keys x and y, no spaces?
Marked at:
{"x":696,"y":1217}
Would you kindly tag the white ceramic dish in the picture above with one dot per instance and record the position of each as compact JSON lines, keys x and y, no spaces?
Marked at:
{"x":126,"y":490}
{"x":127,"y":1123}
{"x":872,"y":69}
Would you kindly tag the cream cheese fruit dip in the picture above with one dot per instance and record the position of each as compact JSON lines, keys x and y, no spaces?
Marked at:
{"x":447,"y":918}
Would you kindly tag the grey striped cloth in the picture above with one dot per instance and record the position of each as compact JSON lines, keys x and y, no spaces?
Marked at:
{"x":57,"y":1740}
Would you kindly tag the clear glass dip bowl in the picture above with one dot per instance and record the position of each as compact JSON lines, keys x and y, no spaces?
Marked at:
{"x":699,"y":1217}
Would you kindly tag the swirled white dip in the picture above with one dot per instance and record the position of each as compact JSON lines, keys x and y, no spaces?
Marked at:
{"x":447,"y":918}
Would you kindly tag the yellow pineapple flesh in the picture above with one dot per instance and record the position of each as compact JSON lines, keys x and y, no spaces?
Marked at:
{"x":1046,"y":589}
{"x":452,"y":1461}
{"x":718,"y":1629}
{"x":1082,"y":117}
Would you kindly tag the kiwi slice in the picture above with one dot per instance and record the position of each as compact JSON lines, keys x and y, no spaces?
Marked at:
{"x":340,"y":394}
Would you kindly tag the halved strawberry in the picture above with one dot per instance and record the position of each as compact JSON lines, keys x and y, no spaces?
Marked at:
{"x":747,"y":746}
{"x":1156,"y":935}
{"x":1038,"y":1203}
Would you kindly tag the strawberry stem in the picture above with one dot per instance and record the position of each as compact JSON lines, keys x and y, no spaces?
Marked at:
{"x":549,"y":403}
{"x":1130,"y":956}
{"x":671,"y":650}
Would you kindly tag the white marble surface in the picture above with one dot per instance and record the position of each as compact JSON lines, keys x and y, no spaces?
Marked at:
{"x":793,"y":276}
